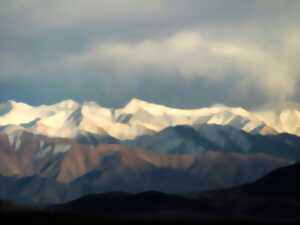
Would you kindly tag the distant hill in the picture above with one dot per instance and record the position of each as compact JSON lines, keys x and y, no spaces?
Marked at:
{"x":274,"y":198}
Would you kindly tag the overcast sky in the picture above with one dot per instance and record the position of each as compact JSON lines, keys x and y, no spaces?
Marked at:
{"x":189,"y":53}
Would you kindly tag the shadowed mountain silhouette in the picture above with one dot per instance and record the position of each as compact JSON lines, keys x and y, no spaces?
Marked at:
{"x":281,"y":182}
{"x":275,"y":197}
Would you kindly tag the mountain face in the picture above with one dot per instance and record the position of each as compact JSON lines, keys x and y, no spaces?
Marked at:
{"x":69,"y":119}
{"x":137,"y":171}
{"x":62,"y":165}
{"x":65,"y":160}
{"x":196,"y":140}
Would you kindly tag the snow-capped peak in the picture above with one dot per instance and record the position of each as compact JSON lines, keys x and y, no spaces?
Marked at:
{"x":136,"y":104}
{"x":11,"y":105}
{"x":69,"y":118}
{"x":67,"y":104}
{"x":16,"y":113}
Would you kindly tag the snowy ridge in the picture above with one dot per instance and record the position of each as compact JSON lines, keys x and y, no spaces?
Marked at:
{"x":283,"y":120}
{"x":69,"y":118}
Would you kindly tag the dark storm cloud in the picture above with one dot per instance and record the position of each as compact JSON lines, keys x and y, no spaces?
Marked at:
{"x":251,"y":47}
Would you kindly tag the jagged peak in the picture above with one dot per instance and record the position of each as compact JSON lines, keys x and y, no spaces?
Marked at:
{"x":136,"y":101}
{"x":135,"y":105}
{"x":13,"y":103}
{"x":69,"y":103}
{"x":90,"y":103}
{"x":94,"y":104}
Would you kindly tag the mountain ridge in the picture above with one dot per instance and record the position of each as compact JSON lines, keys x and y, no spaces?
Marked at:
{"x":68,"y":118}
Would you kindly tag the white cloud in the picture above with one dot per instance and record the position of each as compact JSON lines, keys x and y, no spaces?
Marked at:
{"x":187,"y":54}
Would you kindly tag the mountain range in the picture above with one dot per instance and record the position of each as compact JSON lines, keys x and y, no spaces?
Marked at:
{"x":57,"y":153}
{"x":43,"y":168}
{"x":68,"y":119}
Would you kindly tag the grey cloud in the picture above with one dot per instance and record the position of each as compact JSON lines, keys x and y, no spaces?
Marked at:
{"x":67,"y":13}
{"x":35,"y":35}
{"x":189,"y":55}
{"x":112,"y":92}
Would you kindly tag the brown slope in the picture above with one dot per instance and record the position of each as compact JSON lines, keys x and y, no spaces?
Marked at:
{"x":137,"y":170}
{"x":9,"y":165}
{"x":25,"y":160}
{"x":209,"y":170}
{"x":81,"y":159}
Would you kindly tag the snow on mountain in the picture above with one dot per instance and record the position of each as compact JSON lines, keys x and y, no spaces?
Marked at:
{"x":290,"y":121}
{"x":157,"y":117}
{"x":17,"y":113}
{"x":14,"y":133}
{"x":284,"y":120}
{"x":69,"y":119}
